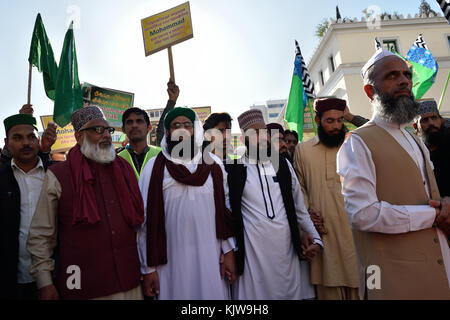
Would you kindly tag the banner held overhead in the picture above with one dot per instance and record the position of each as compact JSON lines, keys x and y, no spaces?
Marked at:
{"x":167,"y":28}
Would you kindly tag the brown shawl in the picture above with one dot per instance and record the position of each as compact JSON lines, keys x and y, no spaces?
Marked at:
{"x":156,"y":228}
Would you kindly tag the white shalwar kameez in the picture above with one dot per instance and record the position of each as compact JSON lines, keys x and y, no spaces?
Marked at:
{"x":272,"y":267}
{"x":192,"y":271}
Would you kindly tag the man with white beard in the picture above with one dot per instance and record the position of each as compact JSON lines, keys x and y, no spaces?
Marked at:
{"x":90,"y":206}
{"x":391,"y":195}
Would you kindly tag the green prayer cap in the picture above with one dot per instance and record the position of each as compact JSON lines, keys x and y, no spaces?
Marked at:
{"x":180,"y":111}
{"x":19,"y":119}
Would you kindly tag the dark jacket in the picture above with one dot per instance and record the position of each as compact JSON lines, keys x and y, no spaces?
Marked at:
{"x":5,"y":157}
{"x":441,"y":162}
{"x":9,"y":230}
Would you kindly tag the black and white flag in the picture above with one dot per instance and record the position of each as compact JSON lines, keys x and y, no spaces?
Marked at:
{"x":445,"y":6}
{"x":420,"y":42}
{"x":308,"y":85}
{"x":377,"y":44}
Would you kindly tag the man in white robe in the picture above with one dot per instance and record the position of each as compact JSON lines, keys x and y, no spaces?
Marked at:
{"x":269,"y":243}
{"x":383,"y":229}
{"x":192,"y":270}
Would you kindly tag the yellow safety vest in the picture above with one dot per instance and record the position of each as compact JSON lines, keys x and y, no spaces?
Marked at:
{"x":151,"y":153}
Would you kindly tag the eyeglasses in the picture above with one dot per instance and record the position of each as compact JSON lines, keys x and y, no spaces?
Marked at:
{"x":178,"y":125}
{"x":100,"y":129}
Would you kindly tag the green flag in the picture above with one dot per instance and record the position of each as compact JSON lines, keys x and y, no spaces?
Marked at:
{"x":424,"y":67}
{"x":295,"y":107}
{"x":68,"y":96}
{"x":41,"y":56}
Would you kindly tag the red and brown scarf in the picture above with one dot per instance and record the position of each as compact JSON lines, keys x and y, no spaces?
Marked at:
{"x":84,"y":204}
{"x":156,"y":227}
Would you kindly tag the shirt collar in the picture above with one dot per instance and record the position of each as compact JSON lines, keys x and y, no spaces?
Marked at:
{"x":147,"y":148}
{"x":247,"y":161}
{"x":382,"y":122}
{"x":315,"y":140}
{"x":38,"y":165}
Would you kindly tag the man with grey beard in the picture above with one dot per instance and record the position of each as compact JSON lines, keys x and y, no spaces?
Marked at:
{"x":90,"y":207}
{"x":398,"y":219}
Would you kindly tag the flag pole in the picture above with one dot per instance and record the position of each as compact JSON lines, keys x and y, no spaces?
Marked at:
{"x":443,"y":92}
{"x":29,"y":83}
{"x":172,"y":72}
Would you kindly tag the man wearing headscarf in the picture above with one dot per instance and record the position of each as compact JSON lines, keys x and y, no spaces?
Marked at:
{"x":334,"y":270}
{"x":430,"y":126}
{"x":90,"y":207}
{"x":268,"y":209}
{"x":391,"y":195}
{"x":188,"y":223}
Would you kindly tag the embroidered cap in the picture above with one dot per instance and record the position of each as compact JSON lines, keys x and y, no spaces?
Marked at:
{"x":82,"y":116}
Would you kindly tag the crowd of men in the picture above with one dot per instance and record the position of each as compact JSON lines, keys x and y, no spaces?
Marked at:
{"x":188,"y":220}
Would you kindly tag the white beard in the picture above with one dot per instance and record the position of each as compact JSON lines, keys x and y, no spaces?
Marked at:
{"x":96,"y":153}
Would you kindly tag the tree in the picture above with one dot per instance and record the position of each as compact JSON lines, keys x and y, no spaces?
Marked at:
{"x":322,"y":27}
{"x":425,"y":8}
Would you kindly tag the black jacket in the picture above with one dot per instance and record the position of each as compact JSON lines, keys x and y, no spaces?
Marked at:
{"x":9,"y":230}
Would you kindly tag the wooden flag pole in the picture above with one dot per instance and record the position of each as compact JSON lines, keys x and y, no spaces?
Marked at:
{"x":443,"y":92}
{"x":29,"y":84}
{"x":172,"y":72}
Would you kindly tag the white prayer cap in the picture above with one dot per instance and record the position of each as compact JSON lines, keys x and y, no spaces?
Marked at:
{"x":379,"y":54}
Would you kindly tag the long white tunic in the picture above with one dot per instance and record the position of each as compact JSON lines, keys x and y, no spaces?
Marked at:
{"x":193,"y":250}
{"x":366,"y":212}
{"x":272,"y":268}
{"x":30,"y":185}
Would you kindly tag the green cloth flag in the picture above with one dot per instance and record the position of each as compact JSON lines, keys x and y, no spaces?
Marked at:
{"x":295,"y":106}
{"x":424,"y":67}
{"x":41,"y":56}
{"x":69,"y":97}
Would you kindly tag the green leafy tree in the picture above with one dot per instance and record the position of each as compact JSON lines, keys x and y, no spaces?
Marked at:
{"x":425,"y":8}
{"x":322,"y":27}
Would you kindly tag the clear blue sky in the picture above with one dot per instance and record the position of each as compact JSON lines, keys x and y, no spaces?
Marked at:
{"x":242,"y":51}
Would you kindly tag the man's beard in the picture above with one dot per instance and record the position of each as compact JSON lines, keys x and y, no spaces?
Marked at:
{"x":433,"y":138}
{"x":97,"y":153}
{"x":180,"y":153}
{"x":334,"y":140}
{"x":402,"y":110}
{"x":259,"y":153}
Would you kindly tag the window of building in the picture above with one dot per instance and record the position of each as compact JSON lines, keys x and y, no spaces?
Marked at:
{"x":391,"y":45}
{"x":275,"y":106}
{"x":322,"y":79}
{"x":273,"y":115}
{"x":448,"y":39}
{"x":152,"y":114}
{"x":332,"y":65}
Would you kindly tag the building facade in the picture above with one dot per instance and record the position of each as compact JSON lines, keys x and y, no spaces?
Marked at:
{"x":271,"y":110}
{"x":335,"y":66}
